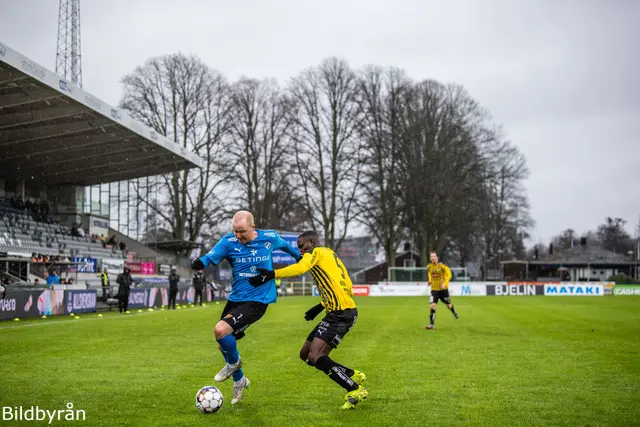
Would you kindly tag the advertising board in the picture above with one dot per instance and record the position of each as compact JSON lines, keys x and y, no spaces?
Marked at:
{"x":514,"y":289}
{"x":574,"y":289}
{"x":620,"y":290}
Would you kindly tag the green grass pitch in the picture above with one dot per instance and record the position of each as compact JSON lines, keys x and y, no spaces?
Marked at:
{"x":508,"y":361}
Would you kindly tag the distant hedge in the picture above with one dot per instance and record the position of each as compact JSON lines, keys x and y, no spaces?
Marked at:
{"x":621,"y":279}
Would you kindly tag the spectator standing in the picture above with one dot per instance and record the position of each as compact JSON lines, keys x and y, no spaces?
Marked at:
{"x":174,"y":279}
{"x":198,"y":285}
{"x":124,"y":281}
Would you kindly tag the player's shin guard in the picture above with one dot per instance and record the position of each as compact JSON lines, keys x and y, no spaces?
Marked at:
{"x":237,"y":375}
{"x":346,"y":370}
{"x":432,"y":316}
{"x":229,"y":349}
{"x":336,"y":373}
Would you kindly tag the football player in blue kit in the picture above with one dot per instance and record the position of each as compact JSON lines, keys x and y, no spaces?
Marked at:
{"x":246,"y":249}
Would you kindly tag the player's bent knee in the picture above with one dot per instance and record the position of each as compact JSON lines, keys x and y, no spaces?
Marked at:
{"x":313,"y":357}
{"x":304,"y":352}
{"x":432,"y":306}
{"x":222,"y":329}
{"x":315,"y":354}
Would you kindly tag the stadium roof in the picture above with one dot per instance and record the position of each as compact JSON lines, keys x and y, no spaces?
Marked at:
{"x":52,"y":130}
{"x":580,"y":255}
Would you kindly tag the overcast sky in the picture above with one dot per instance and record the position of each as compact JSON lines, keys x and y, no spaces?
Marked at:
{"x":562,"y":77}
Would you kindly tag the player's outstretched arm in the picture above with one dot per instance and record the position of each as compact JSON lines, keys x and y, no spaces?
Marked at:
{"x":299,"y":268}
{"x":215,"y":256}
{"x":285,"y":247}
{"x":293,"y":270}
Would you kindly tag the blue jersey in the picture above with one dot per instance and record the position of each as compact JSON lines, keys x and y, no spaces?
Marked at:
{"x":246,"y":259}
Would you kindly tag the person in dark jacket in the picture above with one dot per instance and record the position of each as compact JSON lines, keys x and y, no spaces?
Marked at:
{"x":173,"y":287}
{"x":124,"y":281}
{"x":198,"y":285}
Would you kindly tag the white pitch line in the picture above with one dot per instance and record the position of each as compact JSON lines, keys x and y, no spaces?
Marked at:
{"x":126,"y":316}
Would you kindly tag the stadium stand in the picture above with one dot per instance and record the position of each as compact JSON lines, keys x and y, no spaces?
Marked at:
{"x":20,"y":232}
{"x":55,"y":140}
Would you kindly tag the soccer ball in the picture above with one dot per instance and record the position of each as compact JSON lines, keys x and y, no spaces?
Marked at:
{"x":209,"y":399}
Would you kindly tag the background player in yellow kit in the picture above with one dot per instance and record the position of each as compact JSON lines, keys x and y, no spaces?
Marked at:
{"x":439,"y":277}
{"x":335,"y":288}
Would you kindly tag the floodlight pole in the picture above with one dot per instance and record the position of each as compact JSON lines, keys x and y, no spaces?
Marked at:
{"x":68,"y":55}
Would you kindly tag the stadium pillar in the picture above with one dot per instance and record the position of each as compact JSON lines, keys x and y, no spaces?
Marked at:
{"x":20,"y":188}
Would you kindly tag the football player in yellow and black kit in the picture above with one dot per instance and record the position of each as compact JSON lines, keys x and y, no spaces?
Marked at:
{"x":335,"y":288}
{"x":439,"y":276}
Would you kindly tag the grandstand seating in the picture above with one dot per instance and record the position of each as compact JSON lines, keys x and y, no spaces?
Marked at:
{"x":20,"y":232}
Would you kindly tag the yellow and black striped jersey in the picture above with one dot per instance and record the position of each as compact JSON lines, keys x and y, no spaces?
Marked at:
{"x":439,"y":276}
{"x":330,"y":275}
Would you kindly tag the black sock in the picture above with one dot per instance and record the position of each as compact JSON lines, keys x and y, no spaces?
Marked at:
{"x":331,"y":368}
{"x":346,"y":370}
{"x":453,"y":310}
{"x":432,"y":316}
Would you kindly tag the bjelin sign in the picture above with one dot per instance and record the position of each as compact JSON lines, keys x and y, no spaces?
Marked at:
{"x":515,"y":290}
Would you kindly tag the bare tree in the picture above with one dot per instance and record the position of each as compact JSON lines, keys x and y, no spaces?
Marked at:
{"x":613,"y":236}
{"x":327,"y":153}
{"x":441,"y":164}
{"x":507,"y":207}
{"x":181,"y":98}
{"x":381,"y":96}
{"x":332,"y":149}
{"x":564,"y":240}
{"x":263,"y":163}
{"x":461,"y":185}
{"x":610,"y":235}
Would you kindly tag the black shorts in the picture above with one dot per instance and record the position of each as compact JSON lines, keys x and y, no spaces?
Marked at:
{"x":243,"y":314}
{"x":334,"y":326}
{"x":442,"y":295}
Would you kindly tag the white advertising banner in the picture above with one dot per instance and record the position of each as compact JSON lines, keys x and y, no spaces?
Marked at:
{"x":467,"y":289}
{"x":407,"y":289}
{"x":574,"y":289}
{"x":113,"y":266}
{"x":399,"y":289}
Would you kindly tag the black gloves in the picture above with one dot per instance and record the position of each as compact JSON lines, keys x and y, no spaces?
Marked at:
{"x":313,"y":312}
{"x":263,"y":277}
{"x":196,"y":264}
